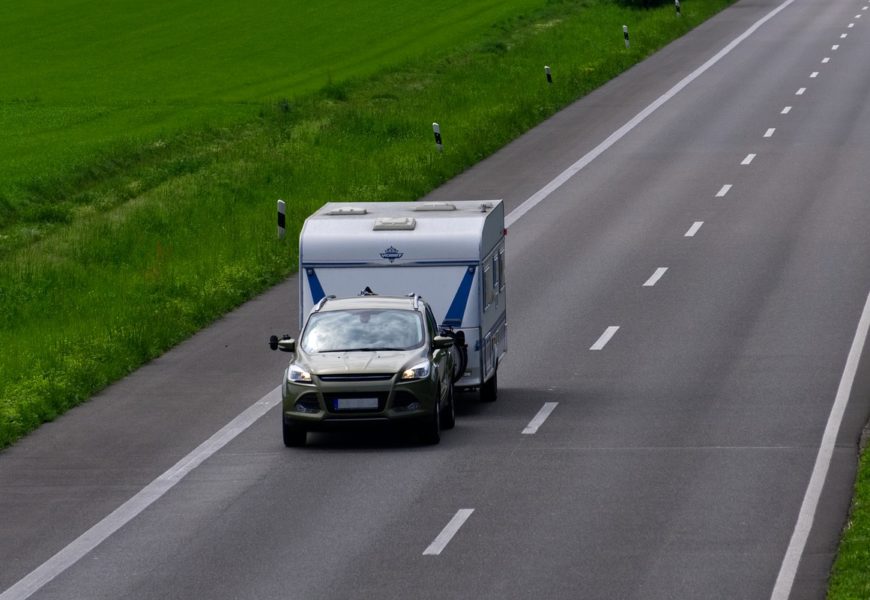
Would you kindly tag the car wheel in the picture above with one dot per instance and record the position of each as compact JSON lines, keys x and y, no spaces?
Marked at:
{"x":431,"y":428}
{"x":489,"y":389}
{"x":294,"y":436}
{"x":448,"y":419}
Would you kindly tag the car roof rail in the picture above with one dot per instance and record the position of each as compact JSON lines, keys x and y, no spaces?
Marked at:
{"x":323,"y":300}
{"x":416,"y":297}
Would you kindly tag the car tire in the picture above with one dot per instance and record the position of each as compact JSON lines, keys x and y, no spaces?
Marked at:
{"x":294,"y":436}
{"x":431,"y":427}
{"x":489,"y":389}
{"x":448,"y":418}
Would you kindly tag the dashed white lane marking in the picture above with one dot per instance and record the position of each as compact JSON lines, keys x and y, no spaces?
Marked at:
{"x":843,"y":36}
{"x":539,"y":196}
{"x":786,"y":110}
{"x":826,"y":60}
{"x":459,"y":519}
{"x":723,"y":190}
{"x":769,"y":132}
{"x":605,"y":337}
{"x":800,"y":92}
{"x":693,"y":229}
{"x":850,"y":25}
{"x":835,"y":46}
{"x":788,"y":569}
{"x":654,"y":279}
{"x":748,"y":160}
{"x":858,"y":16}
{"x":539,"y":418}
{"x":814,"y":74}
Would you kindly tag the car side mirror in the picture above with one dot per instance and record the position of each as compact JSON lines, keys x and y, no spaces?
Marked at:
{"x":442,"y":342}
{"x":284,"y":344}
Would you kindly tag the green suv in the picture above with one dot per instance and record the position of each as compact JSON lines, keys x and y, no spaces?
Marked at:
{"x":367,"y":360}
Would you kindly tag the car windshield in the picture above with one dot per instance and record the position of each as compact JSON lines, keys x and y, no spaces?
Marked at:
{"x":359,"y":330}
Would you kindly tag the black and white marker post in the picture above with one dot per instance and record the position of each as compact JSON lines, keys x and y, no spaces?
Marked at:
{"x":625,"y":35}
{"x":677,"y":5}
{"x":282,"y":219}
{"x":549,"y":75}
{"x":436,"y":129}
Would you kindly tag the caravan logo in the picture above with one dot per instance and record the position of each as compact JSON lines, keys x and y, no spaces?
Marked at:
{"x":391,"y":254}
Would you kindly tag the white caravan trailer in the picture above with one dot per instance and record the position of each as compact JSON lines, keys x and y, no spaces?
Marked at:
{"x":450,"y":253}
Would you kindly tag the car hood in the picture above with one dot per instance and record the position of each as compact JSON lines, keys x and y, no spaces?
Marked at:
{"x":339,"y":363}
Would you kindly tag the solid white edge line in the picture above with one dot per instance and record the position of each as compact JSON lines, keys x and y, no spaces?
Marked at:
{"x":788,"y":569}
{"x":539,"y":418}
{"x":654,"y":279}
{"x":122,"y":515}
{"x":617,"y":135}
{"x":73,"y":552}
{"x":605,"y":337}
{"x":440,"y":542}
{"x":693,"y":229}
{"x":723,"y":190}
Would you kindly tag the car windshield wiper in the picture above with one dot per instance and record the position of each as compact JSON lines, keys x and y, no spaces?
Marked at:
{"x":361,"y":350}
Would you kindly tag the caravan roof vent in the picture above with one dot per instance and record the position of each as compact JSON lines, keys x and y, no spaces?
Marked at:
{"x":347,"y":210}
{"x":395,"y":224}
{"x":434,"y":206}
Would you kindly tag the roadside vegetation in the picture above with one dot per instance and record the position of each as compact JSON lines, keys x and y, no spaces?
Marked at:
{"x":850,"y":578}
{"x":127,"y":227}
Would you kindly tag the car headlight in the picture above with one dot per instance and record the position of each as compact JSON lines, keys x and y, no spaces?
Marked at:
{"x":418,"y":371}
{"x":296,"y":374}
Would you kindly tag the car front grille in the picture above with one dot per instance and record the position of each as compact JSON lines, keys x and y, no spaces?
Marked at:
{"x":357,"y":377}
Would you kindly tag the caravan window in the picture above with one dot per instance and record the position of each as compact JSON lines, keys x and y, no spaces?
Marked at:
{"x":501,"y":269}
{"x":488,"y":293}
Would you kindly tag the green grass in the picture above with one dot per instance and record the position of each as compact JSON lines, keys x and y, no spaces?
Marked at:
{"x":850,"y":579}
{"x":155,"y":239}
{"x":81,"y":80}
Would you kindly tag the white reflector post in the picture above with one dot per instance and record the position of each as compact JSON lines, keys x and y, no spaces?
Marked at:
{"x":549,"y":75}
{"x":282,"y":219}
{"x":625,"y":35}
{"x":436,"y":129}
{"x":677,"y":5}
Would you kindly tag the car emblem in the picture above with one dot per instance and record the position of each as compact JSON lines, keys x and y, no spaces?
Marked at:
{"x":391,"y":254}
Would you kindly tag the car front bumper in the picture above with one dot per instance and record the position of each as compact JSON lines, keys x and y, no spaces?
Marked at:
{"x":349,"y":401}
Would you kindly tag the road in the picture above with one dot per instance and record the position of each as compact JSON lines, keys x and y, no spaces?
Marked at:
{"x":682,"y":308}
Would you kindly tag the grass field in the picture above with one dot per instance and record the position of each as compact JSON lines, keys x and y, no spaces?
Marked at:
{"x":82,"y":81}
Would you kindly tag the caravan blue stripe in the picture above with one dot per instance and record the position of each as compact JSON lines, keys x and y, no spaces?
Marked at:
{"x":317,"y":292}
{"x":460,"y":300}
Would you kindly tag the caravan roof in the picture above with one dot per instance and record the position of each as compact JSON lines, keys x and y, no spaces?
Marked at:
{"x":401,"y":232}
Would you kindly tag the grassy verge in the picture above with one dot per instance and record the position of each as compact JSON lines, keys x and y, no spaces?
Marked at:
{"x":850,"y":578}
{"x":169,"y":235}
{"x":84,"y":80}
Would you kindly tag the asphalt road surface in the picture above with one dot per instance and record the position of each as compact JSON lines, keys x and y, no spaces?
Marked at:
{"x":684,"y":304}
